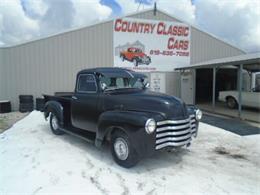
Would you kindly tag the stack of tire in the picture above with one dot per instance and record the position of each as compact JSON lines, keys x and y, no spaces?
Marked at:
{"x":40,"y":104}
{"x":26,"y":103}
{"x":5,"y":106}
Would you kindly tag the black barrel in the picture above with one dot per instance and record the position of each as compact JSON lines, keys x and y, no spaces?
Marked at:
{"x":40,"y":104}
{"x":5,"y":106}
{"x":26,"y":103}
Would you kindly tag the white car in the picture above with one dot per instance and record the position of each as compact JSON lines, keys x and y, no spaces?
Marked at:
{"x":250,"y":95}
{"x":251,"y":99}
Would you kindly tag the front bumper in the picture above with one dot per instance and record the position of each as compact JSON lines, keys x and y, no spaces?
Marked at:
{"x":175,"y":133}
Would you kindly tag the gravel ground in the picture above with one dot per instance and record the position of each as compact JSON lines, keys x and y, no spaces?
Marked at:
{"x":8,"y":119}
{"x":34,"y":161}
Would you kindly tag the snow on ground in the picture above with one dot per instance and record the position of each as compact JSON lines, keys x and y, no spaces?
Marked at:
{"x":34,"y":161}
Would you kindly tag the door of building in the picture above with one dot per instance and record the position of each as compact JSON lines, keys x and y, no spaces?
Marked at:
{"x":187,"y":87}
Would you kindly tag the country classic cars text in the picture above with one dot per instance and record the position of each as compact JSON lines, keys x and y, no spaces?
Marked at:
{"x":178,"y":33}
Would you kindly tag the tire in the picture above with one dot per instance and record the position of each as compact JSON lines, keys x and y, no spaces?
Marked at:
{"x":135,"y":62}
{"x":25,"y":98}
{"x":231,"y":102}
{"x":147,"y":63}
{"x":40,"y":102}
{"x":119,"y":140}
{"x":54,"y":124}
{"x":26,"y":107}
{"x":5,"y":106}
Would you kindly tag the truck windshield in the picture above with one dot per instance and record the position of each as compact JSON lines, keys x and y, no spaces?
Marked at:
{"x":111,"y":83}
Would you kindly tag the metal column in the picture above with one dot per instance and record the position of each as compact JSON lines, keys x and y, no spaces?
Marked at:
{"x":214,"y":89}
{"x":194,"y":85}
{"x":240,"y":83}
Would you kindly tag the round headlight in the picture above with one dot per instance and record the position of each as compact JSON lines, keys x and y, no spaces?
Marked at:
{"x":150,"y":126}
{"x":198,"y":115}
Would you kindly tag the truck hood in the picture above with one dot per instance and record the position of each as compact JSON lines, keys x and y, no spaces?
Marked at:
{"x":169,"y":107}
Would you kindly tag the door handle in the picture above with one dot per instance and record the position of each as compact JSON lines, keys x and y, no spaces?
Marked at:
{"x":74,"y":97}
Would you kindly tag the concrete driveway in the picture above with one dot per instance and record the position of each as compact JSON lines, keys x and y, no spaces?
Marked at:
{"x":34,"y":161}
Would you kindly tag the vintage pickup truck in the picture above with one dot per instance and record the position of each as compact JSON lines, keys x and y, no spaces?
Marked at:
{"x":115,"y":105}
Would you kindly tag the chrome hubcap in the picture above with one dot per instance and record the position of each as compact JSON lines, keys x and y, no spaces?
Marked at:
{"x":55,"y":123}
{"x":121,"y":148}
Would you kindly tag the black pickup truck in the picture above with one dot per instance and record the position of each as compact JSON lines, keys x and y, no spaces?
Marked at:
{"x":115,"y":104}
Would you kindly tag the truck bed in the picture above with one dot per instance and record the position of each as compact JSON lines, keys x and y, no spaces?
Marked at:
{"x":65,"y":99}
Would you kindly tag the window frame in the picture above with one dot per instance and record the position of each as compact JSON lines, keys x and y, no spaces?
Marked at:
{"x":95,"y":81}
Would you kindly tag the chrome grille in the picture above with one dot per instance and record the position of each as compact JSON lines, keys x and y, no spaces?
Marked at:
{"x":175,"y":132}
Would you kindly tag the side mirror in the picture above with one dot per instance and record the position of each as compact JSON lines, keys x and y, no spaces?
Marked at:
{"x":103,"y":86}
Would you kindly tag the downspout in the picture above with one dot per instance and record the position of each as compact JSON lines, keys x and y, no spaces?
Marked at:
{"x":214,"y":89}
{"x":240,"y":90}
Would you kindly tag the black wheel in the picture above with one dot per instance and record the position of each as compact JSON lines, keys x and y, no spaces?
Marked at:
{"x":122,"y":58}
{"x":147,"y":63}
{"x":231,"y":102}
{"x":135,"y":62}
{"x":122,"y":150}
{"x":55,"y":125}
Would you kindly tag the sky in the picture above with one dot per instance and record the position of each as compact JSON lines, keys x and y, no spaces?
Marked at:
{"x":235,"y":21}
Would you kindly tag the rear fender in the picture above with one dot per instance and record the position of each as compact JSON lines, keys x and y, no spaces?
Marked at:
{"x":56,"y":108}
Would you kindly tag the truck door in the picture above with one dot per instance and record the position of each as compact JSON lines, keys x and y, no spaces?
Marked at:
{"x":84,"y":113}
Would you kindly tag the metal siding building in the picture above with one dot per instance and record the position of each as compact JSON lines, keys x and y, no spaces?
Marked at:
{"x":50,"y":64}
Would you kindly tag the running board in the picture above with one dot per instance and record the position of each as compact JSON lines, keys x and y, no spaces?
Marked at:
{"x":87,"y":136}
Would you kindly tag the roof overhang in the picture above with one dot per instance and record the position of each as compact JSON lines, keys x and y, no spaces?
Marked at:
{"x":250,"y":62}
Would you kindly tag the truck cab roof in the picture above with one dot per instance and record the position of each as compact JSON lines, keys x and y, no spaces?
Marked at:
{"x":113,"y":72}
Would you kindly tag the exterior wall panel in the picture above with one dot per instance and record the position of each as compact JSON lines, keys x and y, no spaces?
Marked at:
{"x":205,"y":47}
{"x":50,"y":65}
{"x":2,"y":70}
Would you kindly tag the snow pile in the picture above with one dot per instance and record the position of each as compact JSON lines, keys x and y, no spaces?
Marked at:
{"x":34,"y":161}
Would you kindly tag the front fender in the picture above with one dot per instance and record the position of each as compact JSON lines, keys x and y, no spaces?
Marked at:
{"x":56,"y":108}
{"x":132,"y":123}
{"x":191,"y":109}
{"x":120,"y":119}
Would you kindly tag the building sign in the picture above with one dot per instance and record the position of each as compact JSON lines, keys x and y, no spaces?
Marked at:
{"x":151,"y":45}
{"x":158,"y":82}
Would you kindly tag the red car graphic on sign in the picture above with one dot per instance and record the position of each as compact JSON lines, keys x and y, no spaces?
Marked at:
{"x":135,"y":55}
